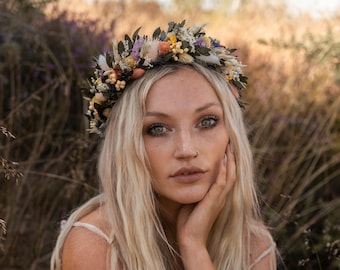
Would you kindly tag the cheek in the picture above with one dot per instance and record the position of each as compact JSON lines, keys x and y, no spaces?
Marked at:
{"x":152,"y":157}
{"x":217,"y":161}
{"x":217,"y":154}
{"x":156,"y":156}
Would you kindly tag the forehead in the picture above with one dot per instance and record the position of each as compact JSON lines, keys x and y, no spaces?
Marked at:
{"x":185,"y":87}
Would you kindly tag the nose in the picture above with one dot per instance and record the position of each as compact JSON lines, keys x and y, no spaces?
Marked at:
{"x":185,"y":146}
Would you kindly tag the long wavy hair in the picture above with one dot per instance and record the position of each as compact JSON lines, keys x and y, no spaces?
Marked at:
{"x":129,"y":201}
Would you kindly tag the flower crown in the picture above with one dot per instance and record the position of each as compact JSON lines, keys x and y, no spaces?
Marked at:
{"x":131,"y":57}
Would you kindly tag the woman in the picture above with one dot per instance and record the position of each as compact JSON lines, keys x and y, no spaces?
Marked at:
{"x":175,"y":165}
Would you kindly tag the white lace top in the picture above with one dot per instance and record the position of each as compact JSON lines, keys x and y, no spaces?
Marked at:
{"x":99,"y":232}
{"x":94,"y":229}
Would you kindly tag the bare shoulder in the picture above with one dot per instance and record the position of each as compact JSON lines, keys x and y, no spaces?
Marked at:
{"x":84,"y":249}
{"x":262,"y":249}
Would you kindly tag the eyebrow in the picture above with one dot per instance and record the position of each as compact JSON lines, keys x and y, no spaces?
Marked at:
{"x":207,"y":106}
{"x":200,"y":109}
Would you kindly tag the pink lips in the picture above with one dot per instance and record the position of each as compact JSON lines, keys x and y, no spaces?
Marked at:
{"x":188,"y":174}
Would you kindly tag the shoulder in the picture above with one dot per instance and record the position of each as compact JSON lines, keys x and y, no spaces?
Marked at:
{"x":84,"y":249}
{"x":262,"y":249}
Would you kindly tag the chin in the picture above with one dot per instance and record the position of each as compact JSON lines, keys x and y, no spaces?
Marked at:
{"x":191,"y":198}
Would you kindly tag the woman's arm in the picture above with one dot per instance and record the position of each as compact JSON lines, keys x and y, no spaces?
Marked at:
{"x":84,"y":250}
{"x":194,"y":222}
{"x":262,"y":252}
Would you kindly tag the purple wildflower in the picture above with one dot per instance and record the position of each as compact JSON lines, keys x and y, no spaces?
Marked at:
{"x":136,"y":48}
{"x":200,"y":42}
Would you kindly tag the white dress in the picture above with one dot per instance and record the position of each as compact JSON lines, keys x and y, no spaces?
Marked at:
{"x":99,"y":232}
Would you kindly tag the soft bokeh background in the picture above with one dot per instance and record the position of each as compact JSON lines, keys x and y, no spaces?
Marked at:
{"x":48,"y":161}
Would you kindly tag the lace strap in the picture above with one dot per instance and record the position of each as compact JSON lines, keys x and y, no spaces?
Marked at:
{"x":93,"y":229}
{"x":263,"y":254}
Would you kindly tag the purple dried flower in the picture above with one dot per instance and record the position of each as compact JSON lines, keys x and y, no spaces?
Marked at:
{"x":200,"y":42}
{"x":136,"y":48}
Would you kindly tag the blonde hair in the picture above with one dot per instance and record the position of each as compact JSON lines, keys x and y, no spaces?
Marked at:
{"x":128,"y":198}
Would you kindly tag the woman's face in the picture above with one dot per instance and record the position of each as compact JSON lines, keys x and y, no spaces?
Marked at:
{"x":185,"y":136}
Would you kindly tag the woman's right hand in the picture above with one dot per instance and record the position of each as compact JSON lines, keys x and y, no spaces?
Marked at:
{"x":195,"y":221}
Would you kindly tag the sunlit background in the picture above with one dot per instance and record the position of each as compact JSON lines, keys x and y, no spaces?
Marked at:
{"x":315,"y":8}
{"x":291,"y":50}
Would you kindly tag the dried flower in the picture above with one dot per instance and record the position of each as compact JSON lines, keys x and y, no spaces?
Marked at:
{"x":131,"y":57}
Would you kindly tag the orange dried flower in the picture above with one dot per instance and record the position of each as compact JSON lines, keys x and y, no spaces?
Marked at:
{"x":163,"y":48}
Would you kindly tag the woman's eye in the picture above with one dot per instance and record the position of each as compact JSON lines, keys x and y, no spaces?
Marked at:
{"x":156,"y":130}
{"x":208,"y":122}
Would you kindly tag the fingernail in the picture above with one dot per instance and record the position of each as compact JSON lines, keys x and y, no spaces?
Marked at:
{"x":231,"y":148}
{"x":225,"y":159}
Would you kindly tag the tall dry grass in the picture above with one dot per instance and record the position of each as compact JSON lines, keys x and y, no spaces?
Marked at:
{"x":292,"y":114}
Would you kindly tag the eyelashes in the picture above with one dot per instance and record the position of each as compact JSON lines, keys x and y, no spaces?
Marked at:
{"x":208,"y":121}
{"x":156,"y":129}
{"x":159,"y":129}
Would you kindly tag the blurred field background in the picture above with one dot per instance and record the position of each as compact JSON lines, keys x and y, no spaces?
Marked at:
{"x":48,"y":161}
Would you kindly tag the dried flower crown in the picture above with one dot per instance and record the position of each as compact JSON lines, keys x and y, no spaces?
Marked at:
{"x":131,"y":57}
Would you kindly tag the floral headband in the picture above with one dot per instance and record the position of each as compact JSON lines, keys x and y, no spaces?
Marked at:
{"x":131,"y":57}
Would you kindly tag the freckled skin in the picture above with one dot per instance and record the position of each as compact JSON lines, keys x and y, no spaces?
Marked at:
{"x":188,"y":117}
{"x":183,"y":128}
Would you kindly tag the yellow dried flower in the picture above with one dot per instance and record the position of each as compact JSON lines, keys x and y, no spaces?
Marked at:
{"x":120,"y":85}
{"x":185,"y":58}
{"x":207,"y":41}
{"x":172,"y":39}
{"x":130,"y":61}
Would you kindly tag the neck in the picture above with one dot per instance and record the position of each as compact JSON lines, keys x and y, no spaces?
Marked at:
{"x":168,"y":211}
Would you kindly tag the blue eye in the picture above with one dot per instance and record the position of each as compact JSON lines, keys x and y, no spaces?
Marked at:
{"x":208,"y":121}
{"x":156,"y":129}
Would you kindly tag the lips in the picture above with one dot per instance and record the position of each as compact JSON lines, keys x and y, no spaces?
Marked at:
{"x":188,"y":174}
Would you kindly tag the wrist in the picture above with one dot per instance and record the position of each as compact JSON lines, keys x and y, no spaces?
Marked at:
{"x":196,"y":257}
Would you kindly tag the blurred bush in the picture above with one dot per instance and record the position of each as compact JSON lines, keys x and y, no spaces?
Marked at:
{"x":295,"y":132}
{"x":43,"y":63}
